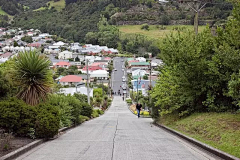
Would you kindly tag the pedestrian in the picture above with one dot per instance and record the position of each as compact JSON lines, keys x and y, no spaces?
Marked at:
{"x":123,"y":98}
{"x":138,"y":107}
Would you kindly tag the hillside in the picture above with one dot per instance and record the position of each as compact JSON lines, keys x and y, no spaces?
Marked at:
{"x":79,"y":18}
{"x":155,"y":31}
{"x":10,"y":7}
{"x":34,"y":4}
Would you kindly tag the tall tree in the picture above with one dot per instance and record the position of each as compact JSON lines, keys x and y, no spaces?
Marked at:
{"x":32,"y":76}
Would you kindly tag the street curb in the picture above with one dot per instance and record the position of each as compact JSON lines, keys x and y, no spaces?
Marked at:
{"x":28,"y":147}
{"x":204,"y":146}
{"x":22,"y":150}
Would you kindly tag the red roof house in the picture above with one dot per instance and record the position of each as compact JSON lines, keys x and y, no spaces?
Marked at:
{"x":62,"y":64}
{"x":91,"y":69}
{"x":37,"y":45}
{"x":70,"y":79}
{"x":6,"y":55}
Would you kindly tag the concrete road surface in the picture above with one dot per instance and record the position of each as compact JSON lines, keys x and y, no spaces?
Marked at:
{"x":116,"y":135}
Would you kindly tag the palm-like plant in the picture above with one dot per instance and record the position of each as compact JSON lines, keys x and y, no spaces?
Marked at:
{"x":33,"y":77}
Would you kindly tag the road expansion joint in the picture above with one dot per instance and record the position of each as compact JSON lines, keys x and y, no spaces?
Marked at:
{"x":114,"y":138}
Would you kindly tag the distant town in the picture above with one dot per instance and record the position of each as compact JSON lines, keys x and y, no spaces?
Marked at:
{"x":66,"y":57}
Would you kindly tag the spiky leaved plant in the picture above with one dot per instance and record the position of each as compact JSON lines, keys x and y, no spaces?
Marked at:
{"x":33,"y":76}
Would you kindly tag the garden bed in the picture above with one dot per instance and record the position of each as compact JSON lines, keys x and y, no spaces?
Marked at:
{"x":13,"y":144}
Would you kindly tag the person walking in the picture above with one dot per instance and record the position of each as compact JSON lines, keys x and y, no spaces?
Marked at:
{"x":123,"y":97}
{"x":138,"y":107}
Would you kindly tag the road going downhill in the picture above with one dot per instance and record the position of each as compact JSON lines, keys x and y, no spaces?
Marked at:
{"x":117,"y":135}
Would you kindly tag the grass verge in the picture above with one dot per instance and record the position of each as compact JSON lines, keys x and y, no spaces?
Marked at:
{"x":219,"y":130}
{"x":155,"y":31}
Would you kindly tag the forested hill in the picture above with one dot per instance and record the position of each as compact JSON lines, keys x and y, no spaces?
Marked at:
{"x":81,"y":16}
{"x":11,"y":7}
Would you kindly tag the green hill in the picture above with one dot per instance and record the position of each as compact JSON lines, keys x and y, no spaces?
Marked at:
{"x":156,"y":31}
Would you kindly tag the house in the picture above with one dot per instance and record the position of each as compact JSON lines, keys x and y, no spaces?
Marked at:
{"x":91,"y":69}
{"x":99,"y":74}
{"x":35,"y":44}
{"x":60,"y":43}
{"x":81,"y":90}
{"x":138,"y":73}
{"x":6,"y":55}
{"x":70,"y":80}
{"x":141,"y":59}
{"x":140,"y":65}
{"x":30,"y":34}
{"x":65,"y":55}
{"x":62,"y":64}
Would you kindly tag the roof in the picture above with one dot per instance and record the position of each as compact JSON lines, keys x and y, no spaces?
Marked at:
{"x":62,"y":63}
{"x":130,"y":59}
{"x":8,"y":54}
{"x":140,"y":64}
{"x":107,"y":58}
{"x":92,"y":68}
{"x":71,"y":78}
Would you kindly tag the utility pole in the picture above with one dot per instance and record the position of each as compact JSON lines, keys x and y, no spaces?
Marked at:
{"x":196,"y":6}
{"x":88,"y":83}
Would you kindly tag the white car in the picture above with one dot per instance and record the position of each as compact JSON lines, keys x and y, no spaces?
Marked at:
{"x":115,"y":69}
{"x":124,"y":80}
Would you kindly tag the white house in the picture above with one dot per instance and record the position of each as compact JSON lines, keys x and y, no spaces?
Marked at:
{"x":99,"y":74}
{"x":141,"y":59}
{"x":65,"y":55}
{"x":60,"y":43}
{"x":81,"y":90}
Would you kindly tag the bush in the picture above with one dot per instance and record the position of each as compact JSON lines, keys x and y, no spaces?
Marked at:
{"x":100,"y":111}
{"x":95,"y":114}
{"x":87,"y":110}
{"x":83,"y":119}
{"x":129,"y":101}
{"x":16,"y":116}
{"x":47,"y":121}
{"x":145,"y":26}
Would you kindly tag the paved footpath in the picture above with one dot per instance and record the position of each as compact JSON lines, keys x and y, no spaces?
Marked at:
{"x":117,"y":135}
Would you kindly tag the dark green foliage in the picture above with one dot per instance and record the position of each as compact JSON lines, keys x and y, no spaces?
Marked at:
{"x":145,"y":26}
{"x":16,"y":116}
{"x":47,"y":121}
{"x":27,"y":39}
{"x":4,"y":21}
{"x":5,"y":86}
{"x":81,"y":97}
{"x":73,"y":23}
{"x":86,"y":110}
{"x":11,"y":7}
{"x":34,"y":4}
{"x":95,"y":113}
{"x":200,"y":73}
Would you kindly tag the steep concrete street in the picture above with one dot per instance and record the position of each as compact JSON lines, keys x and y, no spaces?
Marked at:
{"x":117,"y":135}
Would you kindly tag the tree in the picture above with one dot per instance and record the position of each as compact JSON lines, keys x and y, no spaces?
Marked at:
{"x":5,"y":86}
{"x":145,"y":27}
{"x":32,"y":76}
{"x":145,"y":77}
{"x":15,"y":44}
{"x":27,"y":39}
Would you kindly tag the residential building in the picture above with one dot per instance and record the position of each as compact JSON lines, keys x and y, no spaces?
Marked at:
{"x":70,"y":80}
{"x":99,"y":74}
{"x":65,"y":55}
{"x":91,"y":69}
{"x":62,"y":64}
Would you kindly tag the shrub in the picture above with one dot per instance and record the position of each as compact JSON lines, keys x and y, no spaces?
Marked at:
{"x":87,"y":110}
{"x":100,"y":111}
{"x":83,"y":119}
{"x":62,"y":102}
{"x":95,"y":114}
{"x":129,"y":101}
{"x":16,"y":116}
{"x":145,"y":26}
{"x":47,"y":121}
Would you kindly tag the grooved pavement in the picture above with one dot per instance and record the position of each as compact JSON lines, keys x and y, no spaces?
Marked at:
{"x":117,"y":135}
